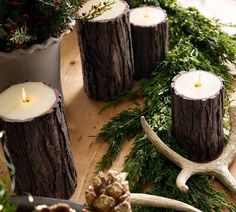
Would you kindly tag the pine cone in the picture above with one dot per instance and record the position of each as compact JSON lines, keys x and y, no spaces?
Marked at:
{"x":108,"y":193}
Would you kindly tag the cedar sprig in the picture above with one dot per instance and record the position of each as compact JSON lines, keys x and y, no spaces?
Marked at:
{"x":195,"y":42}
{"x":20,"y":36}
{"x":5,"y":204}
{"x":123,"y":126}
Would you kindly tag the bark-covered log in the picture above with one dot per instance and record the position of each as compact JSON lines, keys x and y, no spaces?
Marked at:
{"x":197,"y":123}
{"x":41,"y":153}
{"x":149,"y":29}
{"x":106,"y":53}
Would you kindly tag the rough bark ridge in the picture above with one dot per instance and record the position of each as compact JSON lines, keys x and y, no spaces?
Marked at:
{"x":107,"y":56}
{"x":198,"y":125}
{"x":150,"y":44}
{"x":40,"y":150}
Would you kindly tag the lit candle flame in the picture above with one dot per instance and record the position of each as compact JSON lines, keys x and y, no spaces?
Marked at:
{"x":25,"y":99}
{"x":198,"y":83}
{"x":30,"y":198}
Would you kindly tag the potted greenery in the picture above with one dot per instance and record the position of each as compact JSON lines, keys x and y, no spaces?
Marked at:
{"x":30,"y":35}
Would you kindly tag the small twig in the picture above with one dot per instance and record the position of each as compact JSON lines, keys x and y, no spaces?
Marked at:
{"x":95,"y":10}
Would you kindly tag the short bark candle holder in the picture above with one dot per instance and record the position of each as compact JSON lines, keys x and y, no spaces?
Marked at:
{"x":197,"y":114}
{"x":106,"y":51}
{"x":149,"y":29}
{"x":32,"y":115}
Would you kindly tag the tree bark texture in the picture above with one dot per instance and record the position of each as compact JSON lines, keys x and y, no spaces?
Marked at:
{"x":198,"y":125}
{"x":150,"y":44}
{"x":41,"y":153}
{"x":107,"y":56}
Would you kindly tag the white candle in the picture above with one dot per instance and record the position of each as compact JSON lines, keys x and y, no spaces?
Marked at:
{"x":197,"y":84}
{"x":32,"y":116}
{"x":197,"y":103}
{"x":26,"y":100}
{"x":116,"y":9}
{"x":147,"y":16}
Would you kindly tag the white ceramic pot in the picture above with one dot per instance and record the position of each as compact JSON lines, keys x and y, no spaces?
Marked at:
{"x":40,"y":62}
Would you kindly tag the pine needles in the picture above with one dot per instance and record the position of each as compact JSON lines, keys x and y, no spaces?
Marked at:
{"x":5,"y":204}
{"x":195,"y":43}
{"x":124,"y":126}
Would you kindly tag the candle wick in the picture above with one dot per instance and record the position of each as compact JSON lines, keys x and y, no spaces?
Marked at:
{"x":25,"y":99}
{"x":198,"y":83}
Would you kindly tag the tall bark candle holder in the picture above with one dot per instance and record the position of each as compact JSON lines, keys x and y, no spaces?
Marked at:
{"x":197,"y":114}
{"x":106,"y":51}
{"x":149,"y":29}
{"x":32,"y":115}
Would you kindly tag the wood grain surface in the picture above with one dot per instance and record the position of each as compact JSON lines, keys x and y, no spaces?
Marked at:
{"x":84,"y":121}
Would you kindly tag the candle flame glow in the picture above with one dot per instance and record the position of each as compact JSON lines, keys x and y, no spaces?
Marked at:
{"x":198,"y":83}
{"x":25,"y":99}
{"x":146,"y":16}
{"x":30,"y":198}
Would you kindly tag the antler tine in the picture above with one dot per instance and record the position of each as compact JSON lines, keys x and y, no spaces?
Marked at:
{"x":182,"y":178}
{"x":157,"y":201}
{"x":162,"y":147}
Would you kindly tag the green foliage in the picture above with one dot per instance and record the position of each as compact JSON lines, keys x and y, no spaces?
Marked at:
{"x":124,"y":126}
{"x":195,"y":43}
{"x":4,"y":198}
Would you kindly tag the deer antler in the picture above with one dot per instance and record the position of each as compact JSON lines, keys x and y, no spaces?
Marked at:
{"x":162,"y":202}
{"x":218,"y":167}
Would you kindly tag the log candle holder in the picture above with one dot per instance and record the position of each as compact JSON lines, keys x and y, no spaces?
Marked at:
{"x":197,"y":114}
{"x":149,"y":29}
{"x":38,"y":140}
{"x":106,"y":51}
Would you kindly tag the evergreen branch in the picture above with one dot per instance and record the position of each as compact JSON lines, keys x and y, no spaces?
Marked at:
{"x":123,"y":126}
{"x":121,"y":97}
{"x":20,"y":36}
{"x":5,"y":204}
{"x":195,"y":43}
{"x":112,"y":153}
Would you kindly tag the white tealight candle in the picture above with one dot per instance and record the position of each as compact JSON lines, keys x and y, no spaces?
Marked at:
{"x":117,"y":8}
{"x":26,"y":100}
{"x":147,"y":16}
{"x":197,"y":84}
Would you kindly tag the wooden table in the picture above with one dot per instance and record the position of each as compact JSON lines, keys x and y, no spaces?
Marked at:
{"x":84,"y":120}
